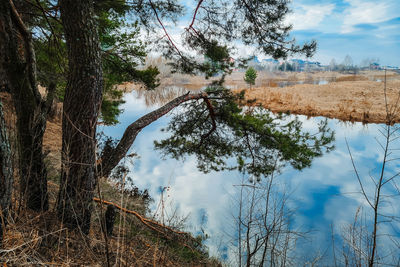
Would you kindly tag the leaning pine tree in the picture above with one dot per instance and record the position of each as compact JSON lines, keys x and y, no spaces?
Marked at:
{"x":213,"y":126}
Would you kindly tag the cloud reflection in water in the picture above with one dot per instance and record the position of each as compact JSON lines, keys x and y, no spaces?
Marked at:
{"x":325,"y":194}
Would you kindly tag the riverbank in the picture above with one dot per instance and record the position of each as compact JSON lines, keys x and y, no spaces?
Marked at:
{"x":347,"y":97}
{"x":362,"y":101}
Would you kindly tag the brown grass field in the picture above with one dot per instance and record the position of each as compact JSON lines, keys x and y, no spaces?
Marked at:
{"x":349,"y":98}
{"x":346,"y":97}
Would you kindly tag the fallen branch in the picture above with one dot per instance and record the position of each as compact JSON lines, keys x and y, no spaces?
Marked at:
{"x":147,"y":222}
{"x":144,"y":220}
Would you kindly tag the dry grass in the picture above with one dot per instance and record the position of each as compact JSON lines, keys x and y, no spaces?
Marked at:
{"x":52,"y":145}
{"x":40,"y":239}
{"x":351,"y":78}
{"x":268,"y":79}
{"x":359,"y":100}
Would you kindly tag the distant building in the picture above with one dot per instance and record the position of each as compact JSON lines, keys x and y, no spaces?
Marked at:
{"x":305,"y":65}
{"x":271,"y":64}
{"x":391,"y":67}
{"x":300,"y":62}
{"x":374,"y":66}
{"x":232,"y":61}
{"x":269,"y":60}
{"x":255,"y":63}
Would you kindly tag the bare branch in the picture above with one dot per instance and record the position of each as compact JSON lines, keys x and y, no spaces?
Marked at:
{"x":212,"y":116}
{"x":358,"y":176}
{"x":171,"y":42}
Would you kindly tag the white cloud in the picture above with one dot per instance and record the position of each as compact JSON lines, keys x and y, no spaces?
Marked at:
{"x":364,"y":12}
{"x":309,"y":16}
{"x":134,"y":105}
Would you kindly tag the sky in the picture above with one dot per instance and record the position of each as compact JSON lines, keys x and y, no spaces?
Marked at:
{"x":359,"y":28}
{"x":362,"y":29}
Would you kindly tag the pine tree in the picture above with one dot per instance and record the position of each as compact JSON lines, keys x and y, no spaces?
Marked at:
{"x":18,"y":65}
{"x":6,"y":174}
{"x":250,"y":76}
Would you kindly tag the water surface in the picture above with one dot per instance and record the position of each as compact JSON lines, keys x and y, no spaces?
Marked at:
{"x":325,"y":197}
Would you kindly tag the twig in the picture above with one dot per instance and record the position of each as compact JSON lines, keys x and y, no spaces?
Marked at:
{"x":212,"y":116}
{"x":103,"y":222}
{"x":165,"y":30}
{"x":358,"y":176}
{"x":194,"y":18}
{"x":73,"y":125}
{"x":30,"y":241}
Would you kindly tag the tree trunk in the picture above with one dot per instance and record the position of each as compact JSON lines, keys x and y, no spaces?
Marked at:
{"x":81,"y":108}
{"x":6,"y":174}
{"x":18,"y":65}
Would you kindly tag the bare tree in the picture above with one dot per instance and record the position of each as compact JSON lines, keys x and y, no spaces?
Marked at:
{"x":264,"y":236}
{"x":332,"y":65}
{"x":348,"y":62}
{"x":361,"y":239}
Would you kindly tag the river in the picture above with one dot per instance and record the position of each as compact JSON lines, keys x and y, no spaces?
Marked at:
{"x":325,"y":198}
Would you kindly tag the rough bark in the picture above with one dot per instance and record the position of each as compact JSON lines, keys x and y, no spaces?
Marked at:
{"x":112,"y":157}
{"x":18,"y":66}
{"x":81,"y":109}
{"x":6,"y":174}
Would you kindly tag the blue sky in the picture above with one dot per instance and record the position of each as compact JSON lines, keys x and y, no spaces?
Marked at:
{"x":359,"y":28}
